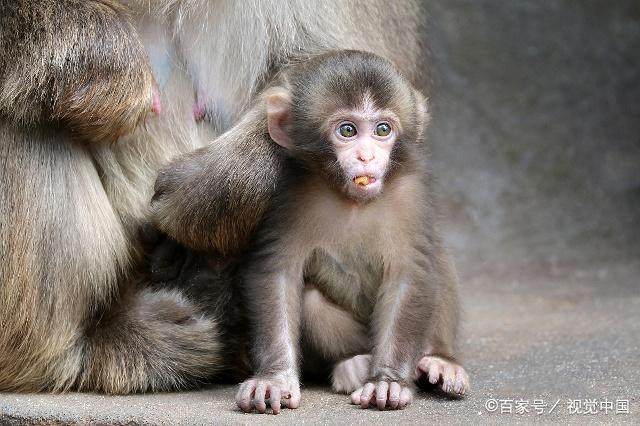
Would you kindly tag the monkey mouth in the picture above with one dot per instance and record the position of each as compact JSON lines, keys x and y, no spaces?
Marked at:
{"x":364,"y":188}
{"x":364,"y":180}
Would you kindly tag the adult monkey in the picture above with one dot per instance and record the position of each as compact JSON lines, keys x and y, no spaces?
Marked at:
{"x":77,"y":79}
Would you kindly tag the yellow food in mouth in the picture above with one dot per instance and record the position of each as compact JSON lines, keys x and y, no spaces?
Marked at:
{"x":363,"y":180}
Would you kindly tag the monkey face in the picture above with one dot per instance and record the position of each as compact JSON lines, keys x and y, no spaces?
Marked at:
{"x":363,"y":140}
{"x":351,"y":117}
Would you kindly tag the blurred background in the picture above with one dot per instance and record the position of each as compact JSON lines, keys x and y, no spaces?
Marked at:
{"x":536,"y":130}
{"x":536,"y":143}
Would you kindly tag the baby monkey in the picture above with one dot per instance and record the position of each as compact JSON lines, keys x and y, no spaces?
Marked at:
{"x":347,"y":265}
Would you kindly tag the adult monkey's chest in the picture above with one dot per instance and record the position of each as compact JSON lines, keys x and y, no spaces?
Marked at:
{"x":350,"y":279}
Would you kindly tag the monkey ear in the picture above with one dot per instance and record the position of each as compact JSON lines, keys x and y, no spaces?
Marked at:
{"x":423,"y":116}
{"x":279,"y":115}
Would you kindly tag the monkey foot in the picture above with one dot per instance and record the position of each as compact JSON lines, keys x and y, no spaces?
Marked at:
{"x":448,"y":375}
{"x":384,"y":394}
{"x":280,"y":389}
{"x":350,"y":374}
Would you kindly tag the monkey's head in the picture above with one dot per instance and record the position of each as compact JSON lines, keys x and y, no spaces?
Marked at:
{"x":351,"y":117}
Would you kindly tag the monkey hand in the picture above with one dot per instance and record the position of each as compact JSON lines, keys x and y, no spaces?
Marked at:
{"x":384,"y":393}
{"x":279,"y":389}
{"x":86,"y":69}
{"x":447,"y":375}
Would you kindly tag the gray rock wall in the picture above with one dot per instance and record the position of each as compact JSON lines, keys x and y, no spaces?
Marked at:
{"x":536,"y":130}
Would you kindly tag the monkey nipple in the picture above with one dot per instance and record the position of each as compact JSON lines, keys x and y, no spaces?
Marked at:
{"x":156,"y":103}
{"x":199,"y":111}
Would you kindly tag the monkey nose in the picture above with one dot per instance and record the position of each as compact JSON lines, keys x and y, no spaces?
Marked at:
{"x":365,"y":158}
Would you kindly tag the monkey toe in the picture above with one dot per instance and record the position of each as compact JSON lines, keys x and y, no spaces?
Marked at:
{"x":383,"y":394}
{"x":394,"y":395}
{"x":275,"y":395}
{"x":382,"y":391}
{"x":244,"y":395}
{"x":366,"y":395}
{"x":448,"y":375}
{"x":406,"y":397}
{"x":292,"y":401}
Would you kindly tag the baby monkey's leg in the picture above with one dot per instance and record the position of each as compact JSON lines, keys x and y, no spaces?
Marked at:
{"x":438,"y":365}
{"x":445,"y":373}
{"x":274,"y":312}
{"x":334,"y":333}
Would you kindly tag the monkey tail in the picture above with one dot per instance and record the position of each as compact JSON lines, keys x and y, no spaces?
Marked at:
{"x":155,"y":341}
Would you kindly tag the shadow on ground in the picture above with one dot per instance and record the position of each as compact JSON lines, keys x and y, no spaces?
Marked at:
{"x":536,"y":143}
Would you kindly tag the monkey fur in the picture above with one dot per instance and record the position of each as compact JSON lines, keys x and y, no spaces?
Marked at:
{"x":396,"y":309}
{"x":95,"y":97}
{"x":343,"y":309}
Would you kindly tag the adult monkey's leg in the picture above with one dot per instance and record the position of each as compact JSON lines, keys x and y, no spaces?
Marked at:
{"x":70,"y":317}
{"x":65,"y":258}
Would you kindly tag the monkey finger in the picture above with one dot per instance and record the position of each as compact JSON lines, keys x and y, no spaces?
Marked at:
{"x":355,"y":396}
{"x":293,"y":401}
{"x":382,"y":390}
{"x":394,"y":394}
{"x":406,"y":396}
{"x":245,"y":392}
{"x":461,"y":385}
{"x":366,"y":395}
{"x":425,"y":363}
{"x":434,"y":370}
{"x":274,"y":399}
{"x":259,"y":396}
{"x":448,"y":377}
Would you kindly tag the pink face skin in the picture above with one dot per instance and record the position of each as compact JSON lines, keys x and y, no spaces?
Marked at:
{"x":366,"y":152}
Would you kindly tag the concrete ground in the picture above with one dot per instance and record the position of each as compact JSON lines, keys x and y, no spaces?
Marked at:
{"x":536,"y":143}
{"x":548,"y":331}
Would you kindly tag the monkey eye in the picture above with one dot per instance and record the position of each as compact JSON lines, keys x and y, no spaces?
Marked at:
{"x":347,"y":130}
{"x":383,"y":129}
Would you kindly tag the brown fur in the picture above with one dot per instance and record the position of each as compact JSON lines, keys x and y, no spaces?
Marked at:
{"x":378,"y":278}
{"x":73,"y":314}
{"x":198,"y":208}
{"x":42,"y":288}
{"x":53,"y":74}
{"x":76,"y":71}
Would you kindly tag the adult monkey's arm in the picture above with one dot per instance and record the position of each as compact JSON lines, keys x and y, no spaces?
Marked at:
{"x":73,"y":62}
{"x":214,"y":197}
